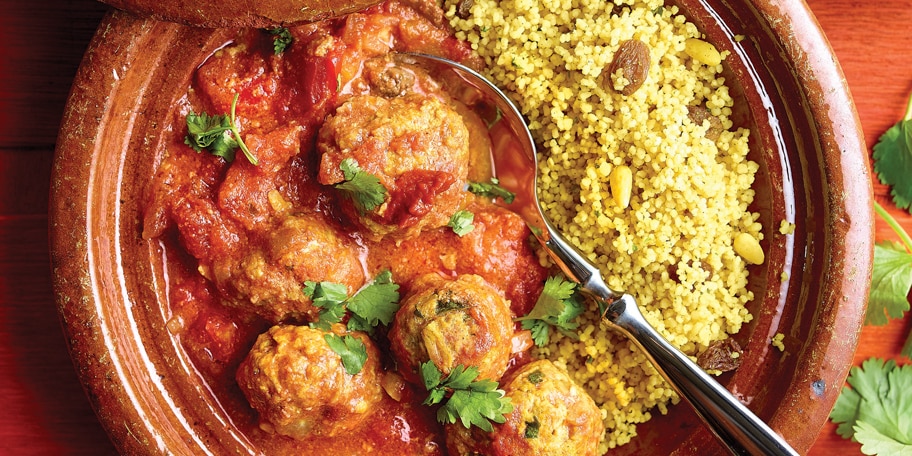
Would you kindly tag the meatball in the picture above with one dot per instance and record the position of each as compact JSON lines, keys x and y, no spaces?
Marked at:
{"x":452,"y":322}
{"x":551,"y":416}
{"x":267,"y":278}
{"x":300,"y":388}
{"x":416,"y":145}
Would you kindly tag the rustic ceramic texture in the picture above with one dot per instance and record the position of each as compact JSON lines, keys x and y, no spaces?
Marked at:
{"x":110,"y":284}
{"x":240,"y":13}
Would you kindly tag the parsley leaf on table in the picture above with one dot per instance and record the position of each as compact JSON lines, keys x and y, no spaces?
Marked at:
{"x":219,"y":134}
{"x":557,"y":306}
{"x":363,"y":188}
{"x":891,"y":278}
{"x":492,"y":189}
{"x":890,"y":283}
{"x":893,"y":160}
{"x":461,"y":222}
{"x":350,"y":349}
{"x":471,"y":401}
{"x":877,"y":410}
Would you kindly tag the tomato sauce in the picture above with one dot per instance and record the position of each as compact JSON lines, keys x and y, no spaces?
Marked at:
{"x":218,"y":220}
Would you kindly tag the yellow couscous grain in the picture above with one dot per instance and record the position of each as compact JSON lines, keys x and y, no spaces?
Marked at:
{"x":776,"y":341}
{"x":786,"y":227}
{"x":672,"y":243}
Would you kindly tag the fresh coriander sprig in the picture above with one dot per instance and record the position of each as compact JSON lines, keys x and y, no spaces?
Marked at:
{"x":891,"y":279}
{"x":363,"y":188}
{"x":218,"y":134}
{"x":558,"y":306}
{"x":350,"y":349}
{"x":875,"y":411}
{"x":892,"y":275}
{"x":374,"y":304}
{"x":491,"y":189}
{"x":462,"y":222}
{"x":330,"y":299}
{"x":281,"y":39}
{"x":471,"y":401}
{"x":893,"y":159}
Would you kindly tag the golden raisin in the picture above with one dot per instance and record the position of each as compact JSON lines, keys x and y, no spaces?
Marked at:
{"x":632,"y":59}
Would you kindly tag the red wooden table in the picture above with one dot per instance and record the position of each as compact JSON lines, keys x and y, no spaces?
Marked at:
{"x":43,"y":410}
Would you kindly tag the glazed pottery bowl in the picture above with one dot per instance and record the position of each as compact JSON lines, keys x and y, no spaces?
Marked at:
{"x":111,"y":285}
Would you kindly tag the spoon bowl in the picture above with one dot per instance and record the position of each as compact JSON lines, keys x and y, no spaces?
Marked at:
{"x":736,"y":427}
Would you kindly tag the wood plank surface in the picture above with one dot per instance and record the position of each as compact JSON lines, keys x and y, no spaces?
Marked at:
{"x":44,"y":409}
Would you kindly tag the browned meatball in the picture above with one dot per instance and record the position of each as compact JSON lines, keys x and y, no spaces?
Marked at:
{"x":300,"y":388}
{"x":551,"y":416}
{"x":452,"y":322}
{"x":418,"y":148}
{"x":269,"y":277}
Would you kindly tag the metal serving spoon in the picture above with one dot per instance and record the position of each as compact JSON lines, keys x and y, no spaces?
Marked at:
{"x":732,"y":422}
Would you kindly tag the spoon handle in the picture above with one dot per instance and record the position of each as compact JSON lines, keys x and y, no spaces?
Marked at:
{"x":739,"y":430}
{"x":734,"y":424}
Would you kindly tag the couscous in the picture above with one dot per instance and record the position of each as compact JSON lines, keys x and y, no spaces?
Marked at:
{"x":680,"y":234}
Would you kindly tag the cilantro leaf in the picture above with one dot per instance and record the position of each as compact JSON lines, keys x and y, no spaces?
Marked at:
{"x":330,"y":298}
{"x":875,"y":442}
{"x":893,"y":160}
{"x":890,"y":283}
{"x":532,"y":428}
{"x":210,"y":132}
{"x":492,"y":189}
{"x":461,"y":222}
{"x":219,"y":134}
{"x":558,"y":306}
{"x":540,"y":331}
{"x":363,"y":188}
{"x":374,"y":304}
{"x":350,"y":349}
{"x":877,"y":409}
{"x":471,"y":401}
{"x":281,"y":39}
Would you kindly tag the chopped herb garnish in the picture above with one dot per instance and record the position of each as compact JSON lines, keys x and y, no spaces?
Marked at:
{"x":461,"y":222}
{"x":330,"y":298}
{"x":363,"y":188}
{"x":374,"y":304}
{"x":218,"y":134}
{"x":531,"y":431}
{"x":281,"y":39}
{"x":350,"y":349}
{"x":558,"y":306}
{"x":446,"y":304}
{"x":535,"y":377}
{"x":492,"y":189}
{"x":471,"y":401}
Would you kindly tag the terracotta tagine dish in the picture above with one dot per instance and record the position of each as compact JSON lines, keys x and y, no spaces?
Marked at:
{"x":195,"y":270}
